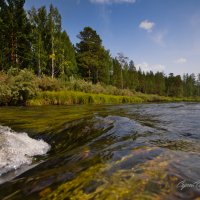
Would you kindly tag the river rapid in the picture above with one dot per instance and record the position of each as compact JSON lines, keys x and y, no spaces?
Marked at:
{"x":141,"y":151}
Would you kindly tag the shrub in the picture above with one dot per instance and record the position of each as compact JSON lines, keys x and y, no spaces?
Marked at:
{"x":23,"y":87}
{"x":5,"y":94}
{"x":88,"y":87}
{"x":98,"y":88}
{"x":79,"y":85}
{"x":5,"y":91}
{"x":48,"y":84}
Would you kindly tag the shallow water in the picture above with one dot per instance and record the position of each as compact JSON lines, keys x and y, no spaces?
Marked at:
{"x":111,"y":152}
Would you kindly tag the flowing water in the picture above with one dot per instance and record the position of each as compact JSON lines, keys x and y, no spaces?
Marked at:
{"x":143,"y":151}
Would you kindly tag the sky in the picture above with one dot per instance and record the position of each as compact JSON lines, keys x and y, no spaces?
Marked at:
{"x":158,"y":35}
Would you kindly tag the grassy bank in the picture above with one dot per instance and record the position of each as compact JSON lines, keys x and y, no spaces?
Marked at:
{"x":74,"y":97}
{"x":24,"y":88}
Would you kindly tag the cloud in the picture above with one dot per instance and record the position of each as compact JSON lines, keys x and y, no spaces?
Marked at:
{"x":147,"y":25}
{"x":181,"y":61}
{"x":148,"y":67}
{"x":158,"y":37}
{"x":112,"y":1}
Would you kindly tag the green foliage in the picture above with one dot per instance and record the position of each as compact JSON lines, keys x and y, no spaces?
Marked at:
{"x":24,"y":87}
{"x":116,"y":73}
{"x":38,"y":20}
{"x":48,"y":84}
{"x":88,"y":87}
{"x":5,"y":89}
{"x":67,"y":65}
{"x":79,"y":85}
{"x":17,"y":90}
{"x":5,"y":94}
{"x":190,"y":86}
{"x":174,"y":86}
{"x":93,"y":60}
{"x":15,"y":34}
{"x":53,"y":52}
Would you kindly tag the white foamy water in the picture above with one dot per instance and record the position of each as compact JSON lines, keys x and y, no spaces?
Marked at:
{"x":17,"y":149}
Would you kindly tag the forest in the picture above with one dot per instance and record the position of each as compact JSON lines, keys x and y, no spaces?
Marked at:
{"x":36,"y":54}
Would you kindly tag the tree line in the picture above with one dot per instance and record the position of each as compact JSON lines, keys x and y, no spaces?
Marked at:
{"x":35,"y":40}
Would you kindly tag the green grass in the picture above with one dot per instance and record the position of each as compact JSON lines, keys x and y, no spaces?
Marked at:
{"x":75,"y":97}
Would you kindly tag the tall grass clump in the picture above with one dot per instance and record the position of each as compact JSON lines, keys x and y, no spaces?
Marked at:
{"x":73,"y":97}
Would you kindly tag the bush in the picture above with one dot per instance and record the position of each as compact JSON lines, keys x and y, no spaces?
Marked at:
{"x":5,"y":90}
{"x":48,"y":84}
{"x":15,"y":90}
{"x":88,"y":87}
{"x":24,"y":87}
{"x":5,"y":94}
{"x":79,"y":85}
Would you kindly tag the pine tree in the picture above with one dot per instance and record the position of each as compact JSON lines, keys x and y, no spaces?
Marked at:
{"x":92,"y":58}
{"x":159,"y":83}
{"x":132,"y":76}
{"x":15,"y":34}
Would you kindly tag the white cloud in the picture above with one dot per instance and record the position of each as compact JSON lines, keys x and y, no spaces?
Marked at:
{"x":112,"y":1}
{"x":148,"y":67}
{"x":181,"y":61}
{"x":158,"y":38}
{"x":147,"y":25}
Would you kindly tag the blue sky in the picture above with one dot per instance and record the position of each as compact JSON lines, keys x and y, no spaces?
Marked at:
{"x":159,"y":35}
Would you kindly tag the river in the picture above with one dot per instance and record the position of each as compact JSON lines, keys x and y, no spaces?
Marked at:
{"x":141,"y":151}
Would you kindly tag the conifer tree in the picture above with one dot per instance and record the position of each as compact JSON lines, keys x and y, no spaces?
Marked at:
{"x":15,"y":34}
{"x":92,"y":58}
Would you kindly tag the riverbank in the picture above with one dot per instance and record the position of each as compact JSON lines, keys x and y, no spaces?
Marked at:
{"x":24,"y":88}
{"x":75,"y":97}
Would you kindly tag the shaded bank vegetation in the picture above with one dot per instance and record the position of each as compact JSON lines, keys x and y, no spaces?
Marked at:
{"x":38,"y":60}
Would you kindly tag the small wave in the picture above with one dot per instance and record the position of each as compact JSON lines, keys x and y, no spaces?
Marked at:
{"x":17,"y":149}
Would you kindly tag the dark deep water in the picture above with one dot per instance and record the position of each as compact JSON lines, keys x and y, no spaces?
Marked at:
{"x":101,"y":152}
